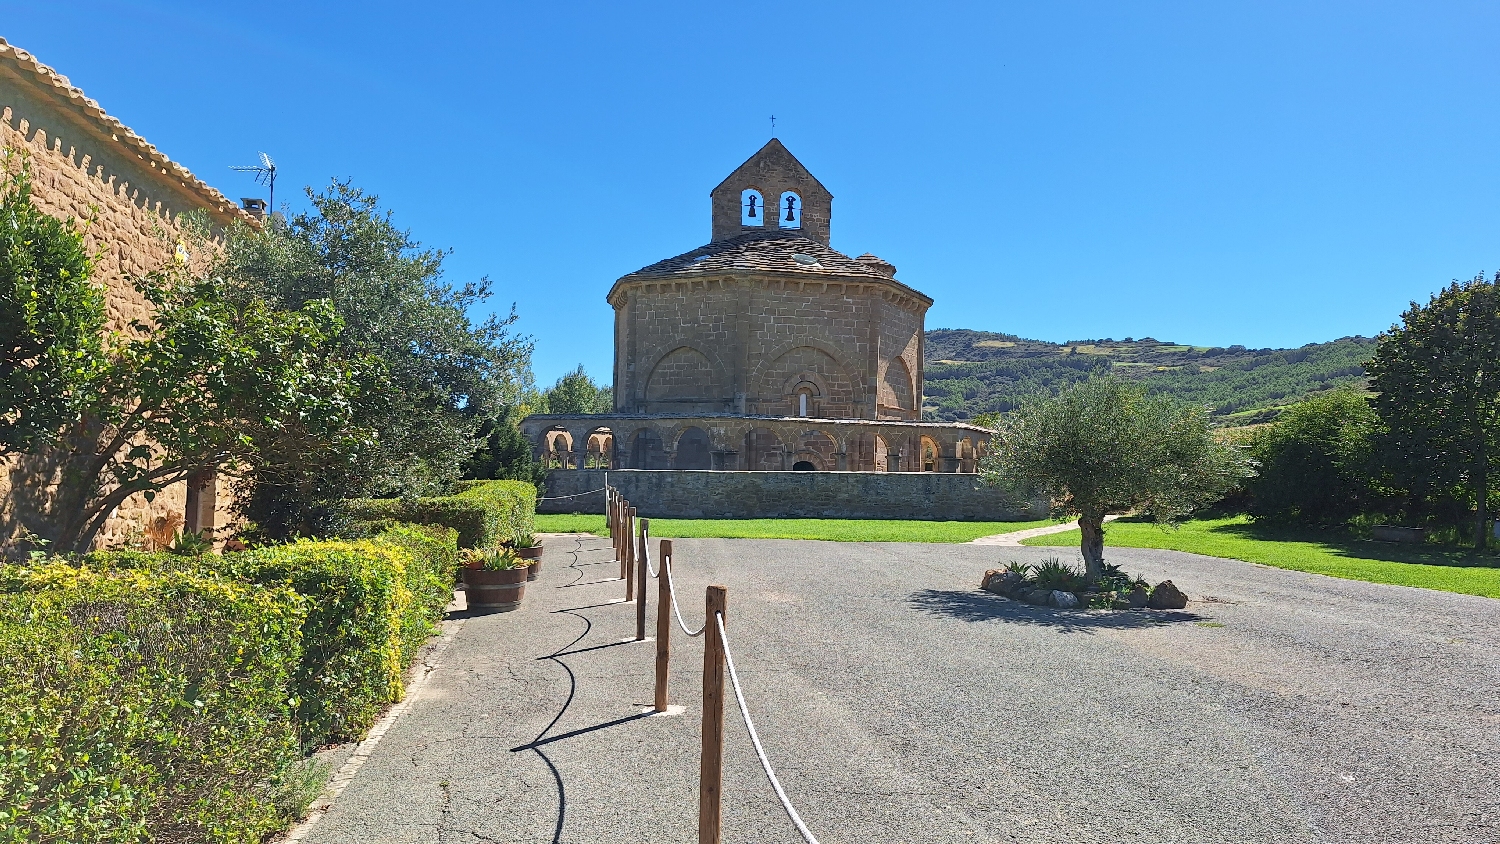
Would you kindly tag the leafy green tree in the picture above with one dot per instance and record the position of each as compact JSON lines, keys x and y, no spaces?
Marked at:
{"x":197,"y":390}
{"x":442,"y":375}
{"x":1105,"y":446}
{"x":51,"y":315}
{"x":1315,"y":461}
{"x":1437,"y":383}
{"x":505,"y":454}
{"x":576,"y":392}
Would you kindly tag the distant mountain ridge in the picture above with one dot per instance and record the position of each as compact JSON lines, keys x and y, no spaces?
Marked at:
{"x":972,"y":372}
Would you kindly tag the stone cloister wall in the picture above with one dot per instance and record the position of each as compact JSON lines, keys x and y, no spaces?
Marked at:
{"x":771,"y":495}
{"x":729,"y":443}
{"x":88,"y":166}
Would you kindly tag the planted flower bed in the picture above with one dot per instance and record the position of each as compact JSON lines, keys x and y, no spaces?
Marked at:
{"x":1053,"y":583}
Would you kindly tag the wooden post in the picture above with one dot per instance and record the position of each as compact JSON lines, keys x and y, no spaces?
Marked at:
{"x":642,"y":575}
{"x":663,"y":622}
{"x":711,"y":768}
{"x":627,"y":567}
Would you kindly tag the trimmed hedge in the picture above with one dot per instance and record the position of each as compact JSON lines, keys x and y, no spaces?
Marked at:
{"x":167,"y":697}
{"x":144,"y":705}
{"x":372,"y":603}
{"x":485,"y":514}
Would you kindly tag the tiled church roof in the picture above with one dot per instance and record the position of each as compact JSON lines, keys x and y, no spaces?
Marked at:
{"x":769,"y":251}
{"x":26,"y":66}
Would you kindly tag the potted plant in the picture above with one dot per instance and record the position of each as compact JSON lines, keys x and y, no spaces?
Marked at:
{"x":494,"y":579}
{"x":529,"y":548}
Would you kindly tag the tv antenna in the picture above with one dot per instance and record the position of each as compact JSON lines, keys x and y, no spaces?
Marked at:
{"x":265,"y":174}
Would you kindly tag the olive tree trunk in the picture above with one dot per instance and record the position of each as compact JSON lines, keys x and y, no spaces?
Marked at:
{"x":1091,"y":526}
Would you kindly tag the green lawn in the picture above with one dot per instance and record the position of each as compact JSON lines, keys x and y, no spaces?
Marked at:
{"x":1318,"y":552}
{"x":835,"y":530}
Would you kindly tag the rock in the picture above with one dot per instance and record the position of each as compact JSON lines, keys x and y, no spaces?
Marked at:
{"x":1166,"y":596}
{"x":1040,"y":597}
{"x":1001,"y":582}
{"x":1137,"y":598}
{"x":1063,"y":600}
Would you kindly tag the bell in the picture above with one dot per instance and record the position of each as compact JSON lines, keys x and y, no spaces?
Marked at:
{"x":751,"y":206}
{"x":791,"y":217}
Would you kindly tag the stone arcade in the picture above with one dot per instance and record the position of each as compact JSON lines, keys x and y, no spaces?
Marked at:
{"x":764,"y":350}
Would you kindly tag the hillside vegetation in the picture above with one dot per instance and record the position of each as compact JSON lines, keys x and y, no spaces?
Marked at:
{"x":973,"y":372}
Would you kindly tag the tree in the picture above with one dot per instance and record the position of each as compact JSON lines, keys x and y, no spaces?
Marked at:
{"x":197,"y":390}
{"x":1315,"y":461}
{"x":442,"y":375}
{"x":1105,"y":446}
{"x":576,"y":392}
{"x":51,"y":315}
{"x":505,"y":454}
{"x":1437,"y":383}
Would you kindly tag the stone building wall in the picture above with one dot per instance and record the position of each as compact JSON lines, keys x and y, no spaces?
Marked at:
{"x":88,"y":166}
{"x":755,"y":443}
{"x":745,"y":343}
{"x":770,"y":495}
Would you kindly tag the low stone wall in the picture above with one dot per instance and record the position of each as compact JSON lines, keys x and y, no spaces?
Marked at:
{"x":765,"y":495}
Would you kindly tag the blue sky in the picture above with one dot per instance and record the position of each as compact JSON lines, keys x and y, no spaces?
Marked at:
{"x":1267,"y":173}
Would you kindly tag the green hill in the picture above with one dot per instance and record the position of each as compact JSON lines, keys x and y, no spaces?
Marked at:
{"x":973,"y":372}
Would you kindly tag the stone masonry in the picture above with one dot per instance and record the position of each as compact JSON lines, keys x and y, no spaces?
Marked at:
{"x":773,"y":495}
{"x":88,"y":166}
{"x":765,"y":350}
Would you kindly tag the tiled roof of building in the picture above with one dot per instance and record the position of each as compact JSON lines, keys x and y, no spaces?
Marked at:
{"x":769,"y":251}
{"x":29,"y":68}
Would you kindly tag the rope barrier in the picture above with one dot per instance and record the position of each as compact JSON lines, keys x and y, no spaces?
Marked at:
{"x":672,"y":590}
{"x":646,"y":535}
{"x":739,"y":695}
{"x":574,"y":495}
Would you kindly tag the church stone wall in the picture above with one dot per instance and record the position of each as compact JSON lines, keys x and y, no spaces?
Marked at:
{"x":771,"y":495}
{"x":742,"y":344}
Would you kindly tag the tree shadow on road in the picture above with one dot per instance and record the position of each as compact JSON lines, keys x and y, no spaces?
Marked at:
{"x":975,"y":605}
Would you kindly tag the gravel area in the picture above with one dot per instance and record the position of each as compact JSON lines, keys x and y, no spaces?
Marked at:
{"x":901,"y":704}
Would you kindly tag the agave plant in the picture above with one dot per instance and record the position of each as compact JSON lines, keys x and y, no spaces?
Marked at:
{"x":1053,"y":573}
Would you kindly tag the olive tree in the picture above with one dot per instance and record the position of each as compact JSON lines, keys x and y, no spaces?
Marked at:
{"x":1106,"y":446}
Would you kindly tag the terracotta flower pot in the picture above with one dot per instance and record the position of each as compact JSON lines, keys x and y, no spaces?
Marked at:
{"x":501,"y":591}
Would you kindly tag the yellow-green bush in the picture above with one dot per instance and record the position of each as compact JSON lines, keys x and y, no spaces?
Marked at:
{"x":485,"y":514}
{"x":144,"y":705}
{"x":371,"y":605}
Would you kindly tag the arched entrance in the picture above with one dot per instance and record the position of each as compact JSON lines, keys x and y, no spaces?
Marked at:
{"x":804,"y":466}
{"x":646,"y":450}
{"x":693,"y":450}
{"x":763,"y":451}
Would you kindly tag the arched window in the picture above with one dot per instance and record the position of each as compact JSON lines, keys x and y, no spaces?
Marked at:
{"x":789,"y":213}
{"x":752,"y":208}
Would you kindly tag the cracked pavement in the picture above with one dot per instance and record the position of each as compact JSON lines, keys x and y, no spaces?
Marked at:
{"x":899,"y":703}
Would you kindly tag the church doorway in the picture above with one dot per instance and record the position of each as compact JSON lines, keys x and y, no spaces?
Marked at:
{"x":693,"y":450}
{"x":804,"y":466}
{"x":646,"y":451}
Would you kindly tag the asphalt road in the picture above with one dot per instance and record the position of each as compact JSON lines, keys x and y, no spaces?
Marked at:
{"x":900,"y":704}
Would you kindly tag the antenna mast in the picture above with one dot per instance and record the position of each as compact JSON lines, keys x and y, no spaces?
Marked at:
{"x":265,"y":174}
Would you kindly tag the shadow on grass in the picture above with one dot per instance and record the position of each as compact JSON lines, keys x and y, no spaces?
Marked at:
{"x":975,"y":605}
{"x":1341,"y":544}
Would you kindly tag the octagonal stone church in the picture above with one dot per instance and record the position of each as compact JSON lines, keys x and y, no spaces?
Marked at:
{"x":764,"y":350}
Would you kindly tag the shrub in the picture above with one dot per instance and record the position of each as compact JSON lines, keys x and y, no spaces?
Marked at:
{"x":485,"y":514}
{"x":144,"y":705}
{"x":1315,"y":461}
{"x":372,"y":603}
{"x":1053,"y":573}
